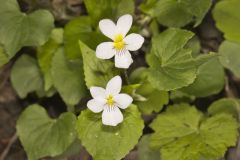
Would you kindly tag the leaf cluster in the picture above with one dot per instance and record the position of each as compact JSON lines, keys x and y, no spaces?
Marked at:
{"x":170,"y":74}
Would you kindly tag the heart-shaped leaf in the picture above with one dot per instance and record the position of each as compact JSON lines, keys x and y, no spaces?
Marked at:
{"x":107,"y":142}
{"x":42,"y":136}
{"x":18,"y":29}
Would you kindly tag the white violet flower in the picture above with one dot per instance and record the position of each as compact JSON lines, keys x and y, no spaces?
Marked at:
{"x":109,"y":100}
{"x":121,"y":44}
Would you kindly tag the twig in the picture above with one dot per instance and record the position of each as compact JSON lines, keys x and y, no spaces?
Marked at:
{"x":8,"y":147}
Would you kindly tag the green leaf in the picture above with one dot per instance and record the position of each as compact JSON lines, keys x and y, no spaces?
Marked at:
{"x":168,"y":12}
{"x":3,"y":56}
{"x":176,"y":125}
{"x":45,"y":54}
{"x":230,"y":56}
{"x":194,"y":44}
{"x":42,"y":136}
{"x":19,"y":29}
{"x":177,"y":38}
{"x":68,"y":78}
{"x":227,"y":16}
{"x":210,"y":79}
{"x":107,"y":142}
{"x":203,"y":58}
{"x":183,"y":133}
{"x":155,"y":99}
{"x":75,"y":149}
{"x":76,"y":29}
{"x":26,"y":76}
{"x":171,"y":65}
{"x":225,"y":105}
{"x":177,"y":96}
{"x":139,"y":75}
{"x":154,"y":27}
{"x":130,"y":89}
{"x":175,"y":13}
{"x":97,"y":72}
{"x":147,"y":98}
{"x":198,"y":9}
{"x":123,"y":7}
{"x":145,"y":152}
{"x":108,"y":9}
{"x":80,"y":29}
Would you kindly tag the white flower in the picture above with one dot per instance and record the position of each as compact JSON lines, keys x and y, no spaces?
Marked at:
{"x":109,"y":100}
{"x":121,"y":44}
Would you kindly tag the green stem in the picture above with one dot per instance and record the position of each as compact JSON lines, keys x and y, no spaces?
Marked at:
{"x":126,"y":76}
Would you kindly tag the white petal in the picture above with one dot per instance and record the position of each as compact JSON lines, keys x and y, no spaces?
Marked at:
{"x":105,"y":50}
{"x":98,"y":92}
{"x":108,"y":28}
{"x":123,"y":60}
{"x":124,"y":24}
{"x":123,"y":100}
{"x":133,"y":41}
{"x":112,"y":116}
{"x":114,"y":85}
{"x":95,"y":105}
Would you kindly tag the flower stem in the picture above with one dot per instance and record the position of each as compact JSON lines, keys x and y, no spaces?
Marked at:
{"x":126,"y":76}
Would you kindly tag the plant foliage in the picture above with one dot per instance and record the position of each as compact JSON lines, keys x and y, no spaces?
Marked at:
{"x":183,"y":83}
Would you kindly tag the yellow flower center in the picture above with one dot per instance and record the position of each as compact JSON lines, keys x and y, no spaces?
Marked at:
{"x":110,"y":100}
{"x":118,"y":42}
